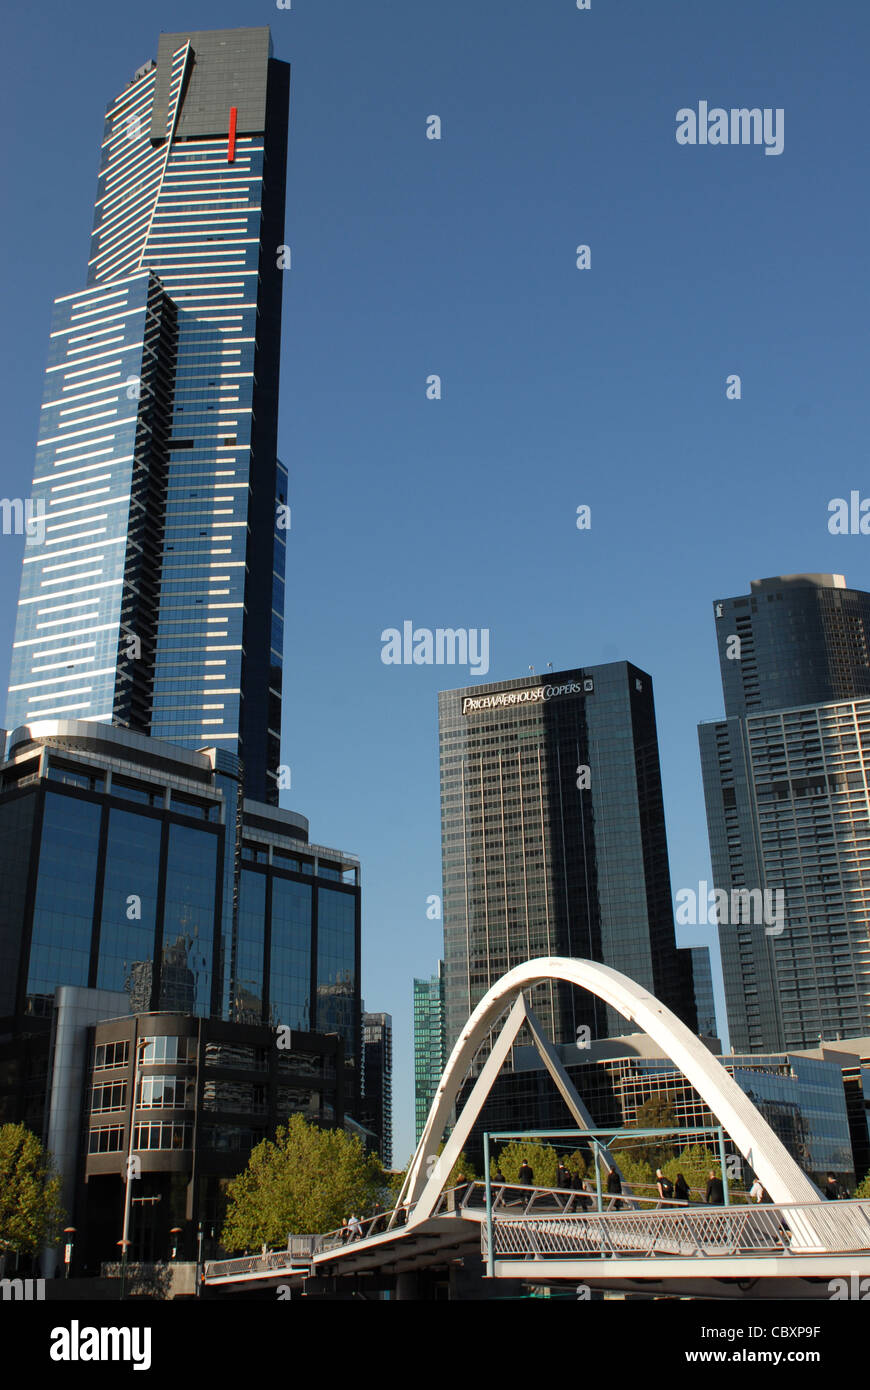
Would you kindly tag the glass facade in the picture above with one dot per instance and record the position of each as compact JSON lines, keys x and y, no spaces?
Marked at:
{"x":553,"y":842}
{"x":290,"y":961}
{"x":802,"y":1099}
{"x":430,"y":1052}
{"x":337,"y":976}
{"x":63,"y":914}
{"x":788,"y":810}
{"x":182,"y":901}
{"x":153,"y":583}
{"x":128,"y":926}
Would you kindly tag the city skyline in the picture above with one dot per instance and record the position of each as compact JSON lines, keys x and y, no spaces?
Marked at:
{"x":561,"y":387}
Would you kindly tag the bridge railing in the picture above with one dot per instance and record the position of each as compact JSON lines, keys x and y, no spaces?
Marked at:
{"x":687,"y":1232}
{"x":272,"y":1262}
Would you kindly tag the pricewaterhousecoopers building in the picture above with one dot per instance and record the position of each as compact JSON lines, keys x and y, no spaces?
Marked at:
{"x":162,"y":916}
{"x":554,"y":843}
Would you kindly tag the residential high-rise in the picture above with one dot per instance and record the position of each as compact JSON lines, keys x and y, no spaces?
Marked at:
{"x":376,"y":1106}
{"x":430,"y":1051}
{"x":554,"y":843}
{"x":153,"y":580}
{"x":788,"y":809}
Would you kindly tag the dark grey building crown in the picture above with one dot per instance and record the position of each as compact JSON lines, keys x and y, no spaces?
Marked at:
{"x":801,"y":639}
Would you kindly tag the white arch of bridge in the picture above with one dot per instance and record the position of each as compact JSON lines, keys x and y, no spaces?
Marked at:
{"x":749,"y":1131}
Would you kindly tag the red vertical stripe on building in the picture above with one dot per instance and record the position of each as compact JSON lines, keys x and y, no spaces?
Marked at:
{"x":231,"y":147}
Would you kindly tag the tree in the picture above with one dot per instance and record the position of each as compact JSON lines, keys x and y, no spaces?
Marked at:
{"x":694,"y":1162}
{"x":542,"y":1159}
{"x":576,"y":1163}
{"x":863,"y":1188}
{"x":306,"y":1182}
{"x":657,"y":1112}
{"x":636,"y":1172}
{"x":31,"y":1215}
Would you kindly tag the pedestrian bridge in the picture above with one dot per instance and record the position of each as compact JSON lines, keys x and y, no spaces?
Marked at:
{"x":541,"y":1235}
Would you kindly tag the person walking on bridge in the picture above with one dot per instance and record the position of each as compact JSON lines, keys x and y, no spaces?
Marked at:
{"x":526,"y":1174}
{"x":614,"y":1188}
{"x":715,"y":1190}
{"x":664,"y":1187}
{"x":681,"y":1191}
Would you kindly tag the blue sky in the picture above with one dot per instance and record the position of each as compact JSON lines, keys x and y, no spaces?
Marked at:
{"x":560,"y":387}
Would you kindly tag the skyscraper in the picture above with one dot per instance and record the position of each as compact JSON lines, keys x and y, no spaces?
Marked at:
{"x":376,"y":1105}
{"x":154,"y":884}
{"x":554,"y":843}
{"x":152,"y":590}
{"x":430,"y":1052}
{"x":788,"y":810}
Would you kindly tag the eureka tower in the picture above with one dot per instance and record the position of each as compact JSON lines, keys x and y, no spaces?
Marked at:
{"x":152,"y":594}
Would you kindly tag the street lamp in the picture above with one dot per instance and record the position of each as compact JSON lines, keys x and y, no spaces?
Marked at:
{"x":70,"y":1233}
{"x":139,"y":1045}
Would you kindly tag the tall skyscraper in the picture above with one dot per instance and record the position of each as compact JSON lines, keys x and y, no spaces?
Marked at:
{"x":154,"y":887}
{"x":554,"y":844}
{"x":376,"y":1106}
{"x":788,"y":809}
{"x":430,"y":1051}
{"x":153,"y":587}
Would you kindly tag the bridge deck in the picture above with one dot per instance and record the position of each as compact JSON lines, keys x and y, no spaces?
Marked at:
{"x":541,"y":1227}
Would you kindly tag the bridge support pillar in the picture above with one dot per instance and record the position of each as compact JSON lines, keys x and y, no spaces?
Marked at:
{"x":407,"y":1285}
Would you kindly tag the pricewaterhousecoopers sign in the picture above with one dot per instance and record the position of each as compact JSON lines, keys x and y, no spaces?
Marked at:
{"x":526,"y":695}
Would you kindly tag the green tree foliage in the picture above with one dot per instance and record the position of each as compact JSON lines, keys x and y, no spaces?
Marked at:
{"x":306,"y":1182}
{"x":694,"y":1162}
{"x":576,"y":1163}
{"x":31,"y":1215}
{"x":863,"y":1188}
{"x":656,"y":1113}
{"x":462,"y":1168}
{"x":542,"y":1159}
{"x":636,"y":1172}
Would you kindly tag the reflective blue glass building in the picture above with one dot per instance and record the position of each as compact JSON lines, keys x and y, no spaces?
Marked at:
{"x":153,"y":587}
{"x":139,"y":867}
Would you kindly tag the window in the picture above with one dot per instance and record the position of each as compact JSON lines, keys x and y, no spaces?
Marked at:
{"x":159,"y":1050}
{"x":165,"y":1092}
{"x":162,"y":1135}
{"x":115,"y":1054}
{"x":113,"y":1097}
{"x":109,"y":1139}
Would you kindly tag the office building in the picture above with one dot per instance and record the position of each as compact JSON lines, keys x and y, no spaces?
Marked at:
{"x":705,"y":1006}
{"x":430,"y":1050}
{"x":138,"y":866}
{"x":152,"y":593}
{"x":376,"y":1104}
{"x":788,"y":811}
{"x":554,"y":844}
{"x":803,"y":1096}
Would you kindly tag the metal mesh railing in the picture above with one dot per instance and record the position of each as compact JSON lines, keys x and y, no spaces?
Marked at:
{"x":301,"y":1250}
{"x":688,"y":1232}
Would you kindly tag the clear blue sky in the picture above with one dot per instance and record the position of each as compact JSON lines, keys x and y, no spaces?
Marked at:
{"x":561,"y":387}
